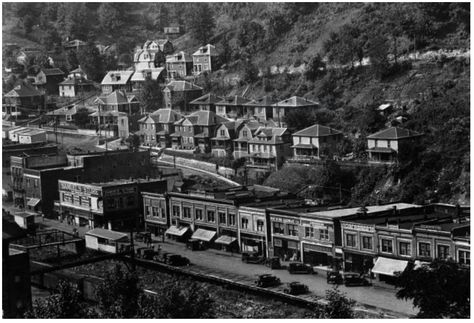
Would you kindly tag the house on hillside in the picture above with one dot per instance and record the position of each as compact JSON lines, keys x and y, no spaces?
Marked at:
{"x":117,"y":80}
{"x":119,"y":101}
{"x":268,"y":148}
{"x":246,"y":129}
{"x":295,"y":103}
{"x":74,"y":44}
{"x":72,"y":87}
{"x":261,"y":108}
{"x":205,"y":59}
{"x":157,"y":75}
{"x":233,"y":107}
{"x":67,"y":115}
{"x":179,"y":65}
{"x":173,"y":31}
{"x":222,"y":144}
{"x":196,"y":130}
{"x":48,"y":80}
{"x":178,"y":94}
{"x":315,"y":142}
{"x":207,"y":102}
{"x":23,"y":99}
{"x":156,"y":128}
{"x":384,"y":146}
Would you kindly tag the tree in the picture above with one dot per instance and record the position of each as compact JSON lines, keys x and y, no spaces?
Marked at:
{"x":345,"y":46}
{"x":65,"y":303}
{"x":316,"y":68}
{"x":338,"y":306}
{"x":82,"y":117}
{"x":150,"y":95}
{"x":111,"y":18}
{"x":133,"y":141}
{"x":377,"y":49}
{"x":250,"y":73}
{"x":91,"y":62}
{"x":439,"y":290}
{"x":200,"y":21}
{"x":160,"y":59}
{"x":298,"y":120}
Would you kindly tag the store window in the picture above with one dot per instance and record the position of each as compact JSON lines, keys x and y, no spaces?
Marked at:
{"x":231,"y":219}
{"x":323,"y":234}
{"x":309,"y":232}
{"x":424,"y":249}
{"x":464,"y":257}
{"x":260,"y":225}
{"x":292,"y":230}
{"x":245,"y":223}
{"x":222,"y":217}
{"x":387,"y":246}
{"x":199,"y":214}
{"x":211,"y":216}
{"x":443,"y":252}
{"x":278,"y":228}
{"x":176,"y":211}
{"x":186,"y":212}
{"x":350,"y":240}
{"x":367,"y":243}
{"x":404,"y":248}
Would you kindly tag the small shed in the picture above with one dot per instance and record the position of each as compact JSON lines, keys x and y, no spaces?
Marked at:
{"x":106,"y":240}
{"x":25,"y":220}
{"x":32,"y":136}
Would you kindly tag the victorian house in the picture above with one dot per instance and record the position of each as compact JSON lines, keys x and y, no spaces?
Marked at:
{"x":156,"y":128}
{"x":179,"y":94}
{"x":269,"y":147}
{"x":179,"y":65}
{"x":205,"y":59}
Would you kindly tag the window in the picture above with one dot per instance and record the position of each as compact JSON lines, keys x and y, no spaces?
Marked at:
{"x":223,"y":133}
{"x":292,"y":230}
{"x":405,"y":248}
{"x":464,"y":257}
{"x":367,"y":243}
{"x":176,"y":212}
{"x":424,"y":249}
{"x":245,"y":223}
{"x":443,"y":252}
{"x":244,"y":133}
{"x":388,"y":143}
{"x":323,"y":234}
{"x":309,"y":232}
{"x":186,"y":212}
{"x":211,"y":216}
{"x":222,"y":217}
{"x":260,"y":225}
{"x":231,"y":219}
{"x":387,"y":246}
{"x":278,"y":228}
{"x":199,"y":214}
{"x":350,"y":240}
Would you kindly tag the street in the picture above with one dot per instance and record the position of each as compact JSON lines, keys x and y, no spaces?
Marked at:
{"x":223,"y":264}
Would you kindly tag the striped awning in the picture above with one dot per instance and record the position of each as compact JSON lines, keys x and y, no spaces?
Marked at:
{"x":175,"y":231}
{"x":203,"y":235}
{"x":226,"y":240}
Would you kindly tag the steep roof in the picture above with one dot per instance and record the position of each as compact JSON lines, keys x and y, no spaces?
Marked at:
{"x":208,"y":98}
{"x":76,"y":81}
{"x":272,"y":133}
{"x":111,"y":79}
{"x":165,"y":116}
{"x":261,"y":102}
{"x":317,"y":130}
{"x":178,"y":86}
{"x":117,"y":97}
{"x":233,"y":100}
{"x":23,"y":90}
{"x":205,"y":118}
{"x":394,"y":133}
{"x":140,"y":76}
{"x":179,"y":57}
{"x":295,"y":101}
{"x":52,"y":71}
{"x":206,"y":50}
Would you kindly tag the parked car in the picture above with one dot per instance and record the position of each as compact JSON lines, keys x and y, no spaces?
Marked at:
{"x":195,"y":244}
{"x":145,"y":253}
{"x":177,"y":260}
{"x":355,"y":279}
{"x":300,"y":268}
{"x":334,"y":277}
{"x":252,"y":257}
{"x":296,"y":288}
{"x":267,"y":280}
{"x":143,"y":236}
{"x":162,"y":256}
{"x":273,"y":263}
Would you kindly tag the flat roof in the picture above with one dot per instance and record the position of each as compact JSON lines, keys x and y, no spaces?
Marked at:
{"x":370,"y":209}
{"x":107,"y":234}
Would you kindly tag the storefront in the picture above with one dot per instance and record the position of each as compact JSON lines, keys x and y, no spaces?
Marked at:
{"x":156,"y":228}
{"x":387,"y":269}
{"x":178,"y":233}
{"x":228,"y":241}
{"x":253,"y":243}
{"x":286,"y":250}
{"x":317,"y":254}
{"x":205,"y":236}
{"x":358,"y":262}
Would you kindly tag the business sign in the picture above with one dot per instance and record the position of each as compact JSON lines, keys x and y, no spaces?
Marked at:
{"x":79,"y":188}
{"x":316,"y":225}
{"x":120,"y":191}
{"x":357,"y":227}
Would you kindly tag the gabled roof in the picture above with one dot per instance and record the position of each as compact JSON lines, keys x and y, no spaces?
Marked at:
{"x":394,"y":133}
{"x":117,"y":97}
{"x":179,"y":57}
{"x":205,"y":118}
{"x":76,"y":81}
{"x":110,"y":78}
{"x":140,"y":76}
{"x":208,"y":98}
{"x":264,"y":101}
{"x":163,"y":116}
{"x":231,"y":127}
{"x":233,"y":100}
{"x":206,"y":50}
{"x":52,"y":71}
{"x":23,"y":90}
{"x":272,"y":133}
{"x":317,"y":130}
{"x":178,"y":86}
{"x":295,"y":101}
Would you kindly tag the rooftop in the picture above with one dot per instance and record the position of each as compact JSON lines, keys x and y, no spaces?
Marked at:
{"x":370,"y":209}
{"x":117,"y":77}
{"x":296,"y":101}
{"x":208,"y":98}
{"x":394,"y":133}
{"x":317,"y":130}
{"x":107,"y":234}
{"x":182,"y":86}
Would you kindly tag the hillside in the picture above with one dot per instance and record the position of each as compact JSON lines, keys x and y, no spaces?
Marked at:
{"x":358,"y":57}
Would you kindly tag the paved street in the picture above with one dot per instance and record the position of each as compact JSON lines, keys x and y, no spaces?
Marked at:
{"x":230,"y":266}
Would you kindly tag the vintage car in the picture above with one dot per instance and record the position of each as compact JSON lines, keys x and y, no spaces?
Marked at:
{"x":195,"y":244}
{"x":252,"y":258}
{"x":355,"y":279}
{"x":145,"y":253}
{"x":267,"y":280}
{"x":296,"y":288}
{"x":273,"y":263}
{"x":334,"y":277}
{"x":300,"y":268}
{"x":177,"y":260}
{"x":143,"y":236}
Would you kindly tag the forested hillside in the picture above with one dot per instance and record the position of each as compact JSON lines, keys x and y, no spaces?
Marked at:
{"x":351,"y":57}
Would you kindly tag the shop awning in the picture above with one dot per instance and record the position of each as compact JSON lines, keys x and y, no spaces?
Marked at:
{"x":203,"y":235}
{"x":175,"y":231}
{"x":226,"y":240}
{"x":33,"y":202}
{"x":389,"y":267}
